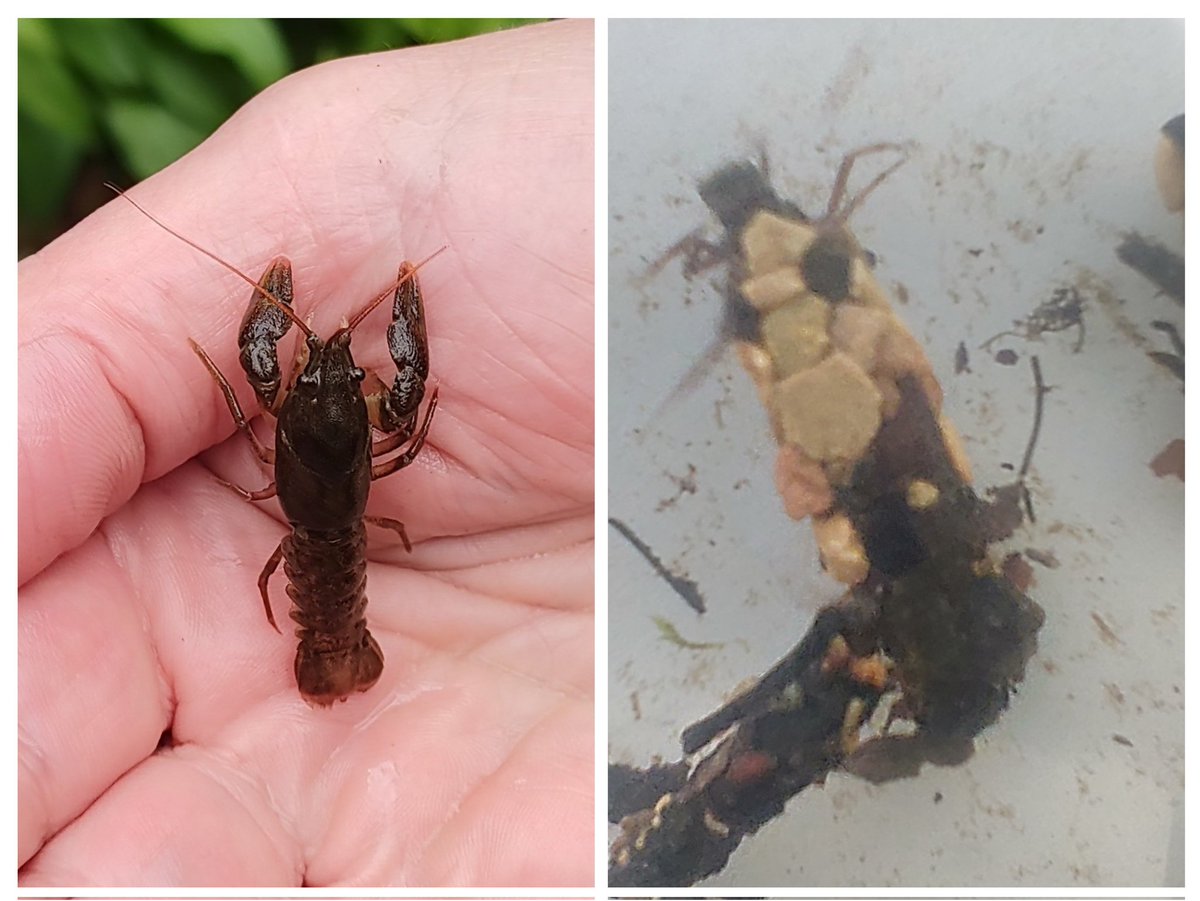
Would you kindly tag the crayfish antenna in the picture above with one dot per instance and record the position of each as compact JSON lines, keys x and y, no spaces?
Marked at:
{"x":406,"y":275}
{"x":271,"y":298}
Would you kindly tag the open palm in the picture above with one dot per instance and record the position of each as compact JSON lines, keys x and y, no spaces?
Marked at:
{"x":161,"y":736}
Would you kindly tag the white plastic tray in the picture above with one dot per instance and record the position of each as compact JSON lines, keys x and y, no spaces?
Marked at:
{"x":1035,"y":142}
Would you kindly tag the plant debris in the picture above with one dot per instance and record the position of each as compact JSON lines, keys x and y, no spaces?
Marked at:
{"x":1064,"y":310}
{"x":668,"y":632}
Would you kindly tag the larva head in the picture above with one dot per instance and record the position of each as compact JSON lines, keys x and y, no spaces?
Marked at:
{"x":736,"y":192}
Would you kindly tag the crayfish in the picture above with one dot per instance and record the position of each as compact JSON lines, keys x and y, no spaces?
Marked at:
{"x":324,"y":460}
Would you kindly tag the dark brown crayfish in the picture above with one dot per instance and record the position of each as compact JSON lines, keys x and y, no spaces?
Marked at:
{"x":324,"y":460}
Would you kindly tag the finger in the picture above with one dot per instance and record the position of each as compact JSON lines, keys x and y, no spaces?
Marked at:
{"x":92,"y":701}
{"x":154,"y":623}
{"x":181,"y":818}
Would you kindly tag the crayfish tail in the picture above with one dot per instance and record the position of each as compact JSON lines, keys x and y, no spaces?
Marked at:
{"x":326,"y":676}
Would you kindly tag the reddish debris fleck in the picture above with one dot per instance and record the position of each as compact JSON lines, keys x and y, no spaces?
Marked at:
{"x":1169,"y":462}
{"x":749,"y":766}
{"x":1018,"y":571}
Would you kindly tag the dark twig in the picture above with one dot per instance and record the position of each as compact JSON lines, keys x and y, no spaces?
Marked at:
{"x":1172,"y":333}
{"x":1040,"y":392}
{"x":1038,"y":406}
{"x":798,"y":734}
{"x":1171,"y":362}
{"x":951,"y":635}
{"x":1163,"y":267}
{"x":682,"y":586}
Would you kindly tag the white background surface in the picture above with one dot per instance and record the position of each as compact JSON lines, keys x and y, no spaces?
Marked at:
{"x":1035,"y":143}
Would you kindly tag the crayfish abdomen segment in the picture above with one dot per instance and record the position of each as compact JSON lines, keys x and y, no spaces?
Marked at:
{"x":327,"y":574}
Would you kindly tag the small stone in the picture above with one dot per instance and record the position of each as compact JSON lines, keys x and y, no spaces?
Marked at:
{"x":830,"y":412}
{"x":770,"y":242}
{"x":761,"y":369}
{"x":772,"y":289}
{"x":842,"y":551}
{"x":864,"y":288}
{"x":802,"y":483}
{"x":921,"y":495}
{"x":796,"y":335}
{"x":857,"y":331}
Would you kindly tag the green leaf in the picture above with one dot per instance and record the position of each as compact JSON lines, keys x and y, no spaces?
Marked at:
{"x":201,"y":90}
{"x":48,"y":93}
{"x":147,"y":136}
{"x":38,"y":36}
{"x":46,"y":167}
{"x":374,"y":35}
{"x":254,"y":45}
{"x":430,"y":31}
{"x":107,"y":51}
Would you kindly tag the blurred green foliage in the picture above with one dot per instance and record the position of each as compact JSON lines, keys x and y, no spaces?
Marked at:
{"x":119,"y":99}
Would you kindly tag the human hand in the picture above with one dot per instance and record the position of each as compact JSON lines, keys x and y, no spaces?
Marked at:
{"x":470,"y":762}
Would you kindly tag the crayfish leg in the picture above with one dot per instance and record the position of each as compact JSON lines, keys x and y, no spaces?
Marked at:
{"x":264,"y":577}
{"x":375,"y":392}
{"x":379,"y":470}
{"x":395,"y":525}
{"x":266,"y":454}
{"x":246,"y":494}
